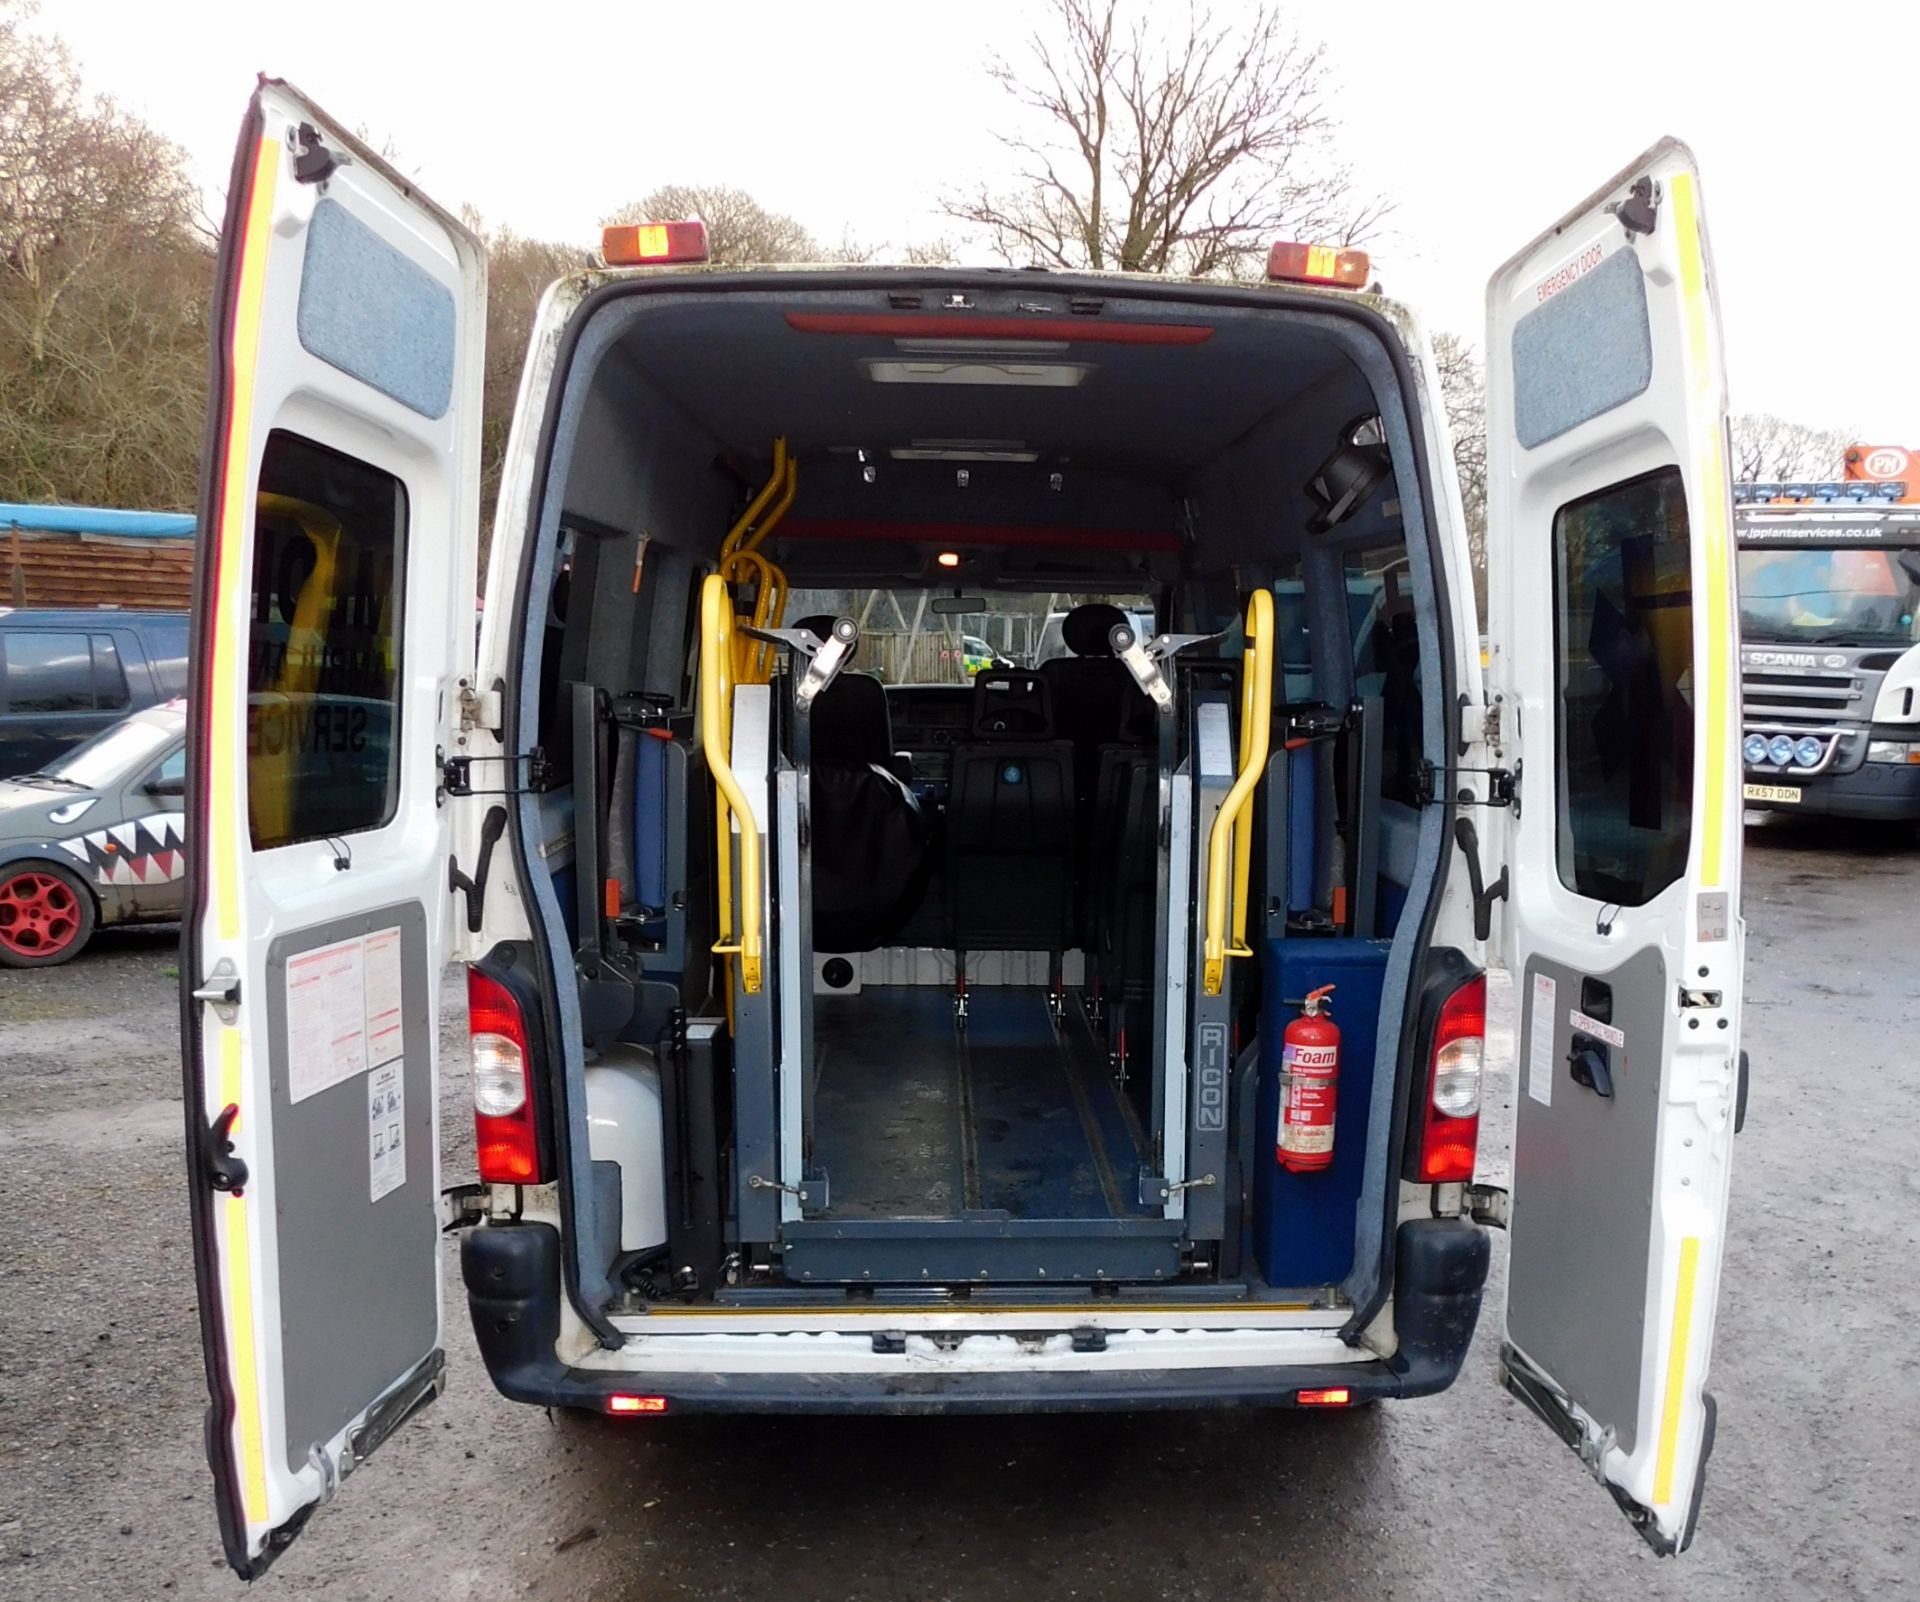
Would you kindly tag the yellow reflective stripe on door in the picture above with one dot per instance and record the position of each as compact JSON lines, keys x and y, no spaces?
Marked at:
{"x":1676,"y":1372}
{"x":231,"y":582}
{"x":225,"y":792}
{"x":1712,"y":479}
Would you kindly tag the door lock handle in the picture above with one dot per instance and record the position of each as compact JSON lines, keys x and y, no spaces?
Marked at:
{"x":1588,"y":1060}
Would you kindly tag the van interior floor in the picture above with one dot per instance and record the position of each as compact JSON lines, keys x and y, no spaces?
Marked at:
{"x":916,"y":1118}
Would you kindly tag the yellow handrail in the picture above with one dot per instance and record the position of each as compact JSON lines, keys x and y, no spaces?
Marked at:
{"x":1230,"y":845}
{"x":736,"y":536}
{"x":740,"y":561}
{"x":716,"y":707}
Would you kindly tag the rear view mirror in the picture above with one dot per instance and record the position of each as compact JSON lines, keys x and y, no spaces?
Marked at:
{"x":166,"y":786}
{"x":958,"y":605}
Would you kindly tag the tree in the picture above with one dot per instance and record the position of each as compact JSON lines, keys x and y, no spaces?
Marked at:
{"x":104,"y":280}
{"x":1157,"y":147}
{"x":1463,"y":391}
{"x":518,"y":272}
{"x":1771,"y":450}
{"x":740,"y":231}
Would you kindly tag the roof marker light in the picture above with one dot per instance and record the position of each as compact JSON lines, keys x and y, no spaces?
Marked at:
{"x":1318,"y":264}
{"x":653,"y":244}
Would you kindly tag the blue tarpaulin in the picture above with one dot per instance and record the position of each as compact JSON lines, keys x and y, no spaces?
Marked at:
{"x":96,"y":520}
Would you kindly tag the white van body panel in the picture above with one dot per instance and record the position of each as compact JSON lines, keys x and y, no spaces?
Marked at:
{"x":1606,"y":388}
{"x":318,"y":1346}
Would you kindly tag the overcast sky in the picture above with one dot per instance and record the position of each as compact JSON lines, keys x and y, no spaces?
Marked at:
{"x":1482,"y":122}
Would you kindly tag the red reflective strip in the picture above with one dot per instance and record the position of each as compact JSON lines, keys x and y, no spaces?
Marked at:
{"x":919,"y":325}
{"x":1083,"y":539}
{"x":636,"y":1404}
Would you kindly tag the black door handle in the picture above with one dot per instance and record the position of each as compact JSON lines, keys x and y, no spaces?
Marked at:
{"x":1588,"y":1060}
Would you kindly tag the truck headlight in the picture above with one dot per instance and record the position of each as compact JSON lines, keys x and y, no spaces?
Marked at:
{"x":1754,"y":749}
{"x":1899,"y":751}
{"x":1780,"y":750}
{"x":1807,"y":751}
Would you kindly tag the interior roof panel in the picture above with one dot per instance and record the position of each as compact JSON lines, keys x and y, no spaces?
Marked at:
{"x":745,"y":375}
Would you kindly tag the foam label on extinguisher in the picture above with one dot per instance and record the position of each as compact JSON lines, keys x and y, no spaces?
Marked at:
{"x":1307,"y":1098}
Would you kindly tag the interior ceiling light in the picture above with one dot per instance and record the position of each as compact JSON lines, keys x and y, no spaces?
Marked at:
{"x":960,"y":450}
{"x":948,"y":558}
{"x":1002,"y":374}
{"x":1020,"y":350}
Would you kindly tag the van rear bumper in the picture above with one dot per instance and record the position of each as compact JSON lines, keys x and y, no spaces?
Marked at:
{"x":512,"y":1273}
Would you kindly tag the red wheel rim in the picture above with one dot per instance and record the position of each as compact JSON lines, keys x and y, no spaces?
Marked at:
{"x":39,"y":915}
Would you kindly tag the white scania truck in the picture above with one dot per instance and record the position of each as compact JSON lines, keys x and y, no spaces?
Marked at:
{"x":846,"y":1043}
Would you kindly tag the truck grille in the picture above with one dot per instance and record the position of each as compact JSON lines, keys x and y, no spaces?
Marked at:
{"x":1773,"y":697}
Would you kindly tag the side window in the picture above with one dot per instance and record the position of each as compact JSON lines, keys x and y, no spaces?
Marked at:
{"x":1296,"y":635}
{"x":1386,"y":659}
{"x":46,"y":671}
{"x":109,"y":678}
{"x":171,"y":771}
{"x":323,"y":657}
{"x":1623,"y":641}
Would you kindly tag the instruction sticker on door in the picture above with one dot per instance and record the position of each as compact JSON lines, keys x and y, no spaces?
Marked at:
{"x":344,"y":1012}
{"x":386,"y":1117}
{"x":1540,"y":1040}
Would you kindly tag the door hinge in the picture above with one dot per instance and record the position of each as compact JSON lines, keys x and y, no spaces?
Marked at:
{"x":1491,"y":1205}
{"x":1503,"y":786}
{"x":479,"y":709}
{"x":456,"y":774}
{"x":1479,"y":723}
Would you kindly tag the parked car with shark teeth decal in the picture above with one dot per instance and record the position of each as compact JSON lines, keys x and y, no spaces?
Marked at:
{"x":98,"y":837}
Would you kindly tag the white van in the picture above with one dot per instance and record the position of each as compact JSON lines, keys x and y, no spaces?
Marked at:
{"x":842,"y":1045}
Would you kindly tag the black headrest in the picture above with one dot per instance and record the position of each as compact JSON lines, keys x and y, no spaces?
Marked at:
{"x":850,"y":722}
{"x":1012,"y":704}
{"x":1087,"y":629}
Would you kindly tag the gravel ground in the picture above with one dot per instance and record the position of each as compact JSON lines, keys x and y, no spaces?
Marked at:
{"x":1813,"y":1490}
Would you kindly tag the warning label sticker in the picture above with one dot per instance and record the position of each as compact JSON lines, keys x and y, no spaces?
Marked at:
{"x":1540,"y":1040}
{"x":386,"y":1118}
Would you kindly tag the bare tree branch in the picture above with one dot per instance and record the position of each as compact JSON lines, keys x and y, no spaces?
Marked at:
{"x":1165,"y":148}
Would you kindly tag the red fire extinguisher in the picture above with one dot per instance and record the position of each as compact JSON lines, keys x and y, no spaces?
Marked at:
{"x":1309,"y":1083}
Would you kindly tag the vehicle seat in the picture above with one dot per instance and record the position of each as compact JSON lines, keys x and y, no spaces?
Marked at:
{"x":1011,"y":821}
{"x":869,"y":834}
{"x":1095,"y":699}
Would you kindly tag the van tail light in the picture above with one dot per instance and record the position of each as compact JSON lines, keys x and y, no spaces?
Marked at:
{"x":503,"y":1121}
{"x":1450,"y":1134}
{"x":1330,"y":1396}
{"x":1318,"y":264}
{"x":653,"y":244}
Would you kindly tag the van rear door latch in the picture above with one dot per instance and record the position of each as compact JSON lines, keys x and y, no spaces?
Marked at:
{"x":1503,"y":786}
{"x":456,"y":774}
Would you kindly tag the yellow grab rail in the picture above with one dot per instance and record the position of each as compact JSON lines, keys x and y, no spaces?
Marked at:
{"x":1230,"y":845}
{"x":741,"y":561}
{"x":737,"y":535}
{"x":716,"y":708}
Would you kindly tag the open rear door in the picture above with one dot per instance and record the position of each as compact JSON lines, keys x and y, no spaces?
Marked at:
{"x":1613,"y":607}
{"x":333,"y":619}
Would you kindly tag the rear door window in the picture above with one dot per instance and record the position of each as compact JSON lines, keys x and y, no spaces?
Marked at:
{"x":323,"y":658}
{"x":1623,"y":628}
